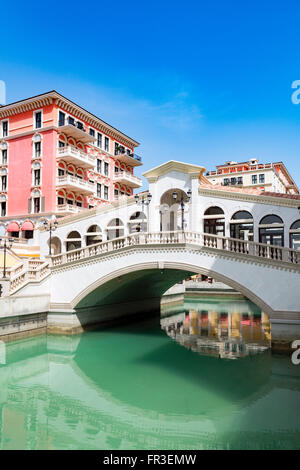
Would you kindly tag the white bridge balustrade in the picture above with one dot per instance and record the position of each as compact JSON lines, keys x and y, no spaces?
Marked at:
{"x":259,"y":250}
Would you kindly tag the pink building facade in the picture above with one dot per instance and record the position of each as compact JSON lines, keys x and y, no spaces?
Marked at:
{"x":57,"y":158}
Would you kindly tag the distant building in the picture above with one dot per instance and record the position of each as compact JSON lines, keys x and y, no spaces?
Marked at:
{"x":272,"y":177}
{"x":56,"y":158}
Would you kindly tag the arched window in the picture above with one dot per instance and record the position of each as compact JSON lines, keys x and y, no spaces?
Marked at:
{"x":214,"y":210}
{"x":93,"y":235}
{"x":271,"y":230}
{"x":55,"y":245}
{"x":214,"y":221}
{"x":115,"y":229}
{"x":171,"y":216}
{"x":138,"y":222}
{"x":73,"y":241}
{"x":241,"y":226}
{"x":295,"y":235}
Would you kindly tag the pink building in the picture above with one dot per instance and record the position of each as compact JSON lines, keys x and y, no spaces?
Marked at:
{"x":57,"y":158}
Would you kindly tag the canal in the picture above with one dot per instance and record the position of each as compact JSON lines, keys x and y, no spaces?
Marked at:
{"x":200,"y":377}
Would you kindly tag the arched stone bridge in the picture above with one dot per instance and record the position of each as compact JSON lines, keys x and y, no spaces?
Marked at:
{"x":127,"y":275}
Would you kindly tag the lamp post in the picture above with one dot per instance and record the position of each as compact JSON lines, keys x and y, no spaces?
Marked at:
{"x":50,"y":227}
{"x":144,"y":201}
{"x":181,"y":202}
{"x":6,"y":244}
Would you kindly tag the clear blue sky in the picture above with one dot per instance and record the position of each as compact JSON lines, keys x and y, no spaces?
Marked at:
{"x":197,"y":81}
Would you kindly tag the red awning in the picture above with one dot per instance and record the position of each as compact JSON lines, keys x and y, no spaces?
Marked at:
{"x":13,"y":227}
{"x":27,"y":225}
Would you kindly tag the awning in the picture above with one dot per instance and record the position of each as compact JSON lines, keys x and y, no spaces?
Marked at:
{"x":13,"y":227}
{"x":27,"y":225}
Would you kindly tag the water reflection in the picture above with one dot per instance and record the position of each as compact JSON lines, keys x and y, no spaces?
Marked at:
{"x":133,"y":387}
{"x":228,"y":329}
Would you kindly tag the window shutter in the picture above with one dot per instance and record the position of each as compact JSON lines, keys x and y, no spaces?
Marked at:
{"x":29,"y":205}
{"x":43,"y":204}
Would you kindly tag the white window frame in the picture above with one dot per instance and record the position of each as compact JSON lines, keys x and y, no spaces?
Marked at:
{"x":1,"y":129}
{"x":34,"y":118}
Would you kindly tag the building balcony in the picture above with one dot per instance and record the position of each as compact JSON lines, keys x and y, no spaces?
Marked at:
{"x":68,"y":209}
{"x":75,"y":129}
{"x":132,"y":160}
{"x":78,"y":157}
{"x":72,"y":183}
{"x":124,"y":177}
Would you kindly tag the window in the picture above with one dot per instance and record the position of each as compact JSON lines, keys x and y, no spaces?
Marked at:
{"x":119,"y":149}
{"x":3,"y":209}
{"x":99,"y":140}
{"x":106,"y":144}
{"x":233,"y":181}
{"x":105,"y":192}
{"x":271,"y":230}
{"x":99,"y":165}
{"x":37,"y":177}
{"x":60,"y":201}
{"x":4,"y":182}
{"x":92,"y":132}
{"x":61,"y":144}
{"x":116,"y":193}
{"x":226,"y":181}
{"x":4,"y":157}
{"x":254,"y":179}
{"x":36,"y":205}
{"x":262,"y":178}
{"x":241,"y":226}
{"x":37,"y":149}
{"x":38,"y":119}
{"x":78,"y":203}
{"x":106,"y":169}
{"x":70,"y":202}
{"x":61,"y":172}
{"x":98,"y":190}
{"x":4,"y":128}
{"x":61,"y":118}
{"x":295,"y":235}
{"x":71,"y":121}
{"x":240,"y":180}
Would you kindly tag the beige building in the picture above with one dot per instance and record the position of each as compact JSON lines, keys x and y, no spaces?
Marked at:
{"x":273,"y":177}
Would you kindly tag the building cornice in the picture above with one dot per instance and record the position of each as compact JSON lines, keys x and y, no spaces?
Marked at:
{"x":260,"y":199}
{"x":51,"y":97}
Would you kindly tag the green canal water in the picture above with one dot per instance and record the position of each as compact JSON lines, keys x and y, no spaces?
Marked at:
{"x":202,"y":379}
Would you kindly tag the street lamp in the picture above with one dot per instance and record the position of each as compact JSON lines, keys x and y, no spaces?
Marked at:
{"x":144,"y":201}
{"x":50,"y":227}
{"x":181,"y":202}
{"x":6,"y":244}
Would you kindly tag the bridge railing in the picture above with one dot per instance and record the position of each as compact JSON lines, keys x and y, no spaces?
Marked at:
{"x":233,"y":245}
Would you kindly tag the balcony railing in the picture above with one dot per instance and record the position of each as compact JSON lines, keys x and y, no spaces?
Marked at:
{"x":76,"y":183}
{"x":76,"y":129}
{"x":124,"y":177}
{"x":130,"y":159}
{"x":69,"y":208}
{"x":75,"y":155}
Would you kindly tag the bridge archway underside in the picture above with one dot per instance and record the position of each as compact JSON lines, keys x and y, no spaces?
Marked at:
{"x":140,"y":273}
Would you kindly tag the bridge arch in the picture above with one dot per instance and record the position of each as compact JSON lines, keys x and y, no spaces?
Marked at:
{"x":148,"y":281}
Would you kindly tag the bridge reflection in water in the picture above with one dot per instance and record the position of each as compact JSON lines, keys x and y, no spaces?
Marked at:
{"x":228,"y":329}
{"x":133,"y":387}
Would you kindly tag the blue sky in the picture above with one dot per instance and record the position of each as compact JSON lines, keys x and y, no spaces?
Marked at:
{"x":196,"y":81}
